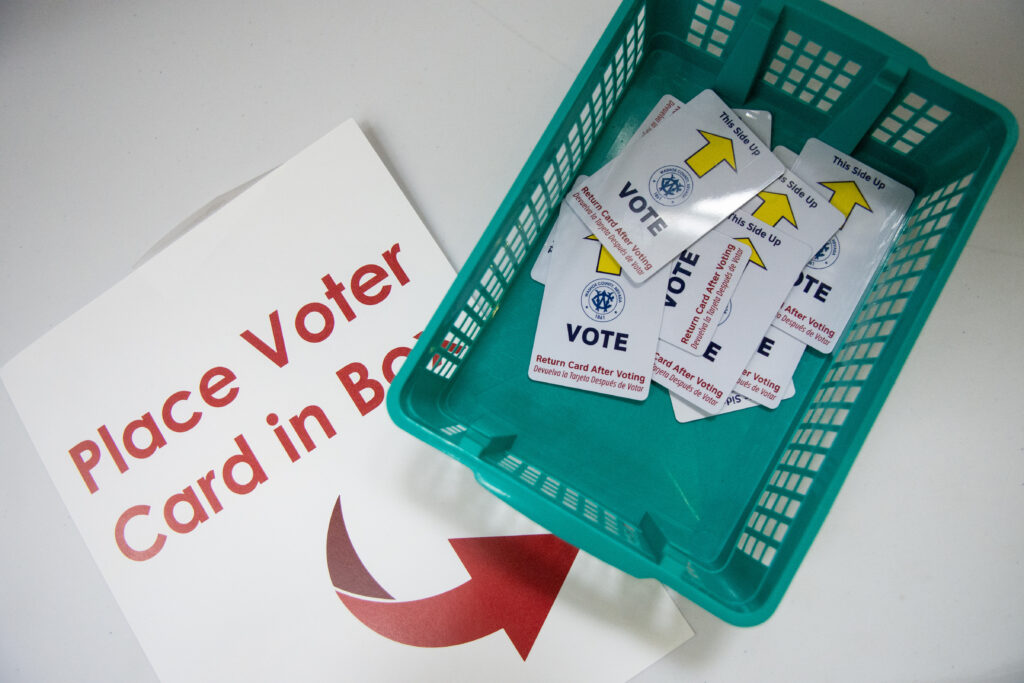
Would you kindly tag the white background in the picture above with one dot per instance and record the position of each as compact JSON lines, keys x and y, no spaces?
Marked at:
{"x":117,"y":120}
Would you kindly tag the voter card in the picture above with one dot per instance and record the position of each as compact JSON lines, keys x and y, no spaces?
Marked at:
{"x":777,"y":255}
{"x":759,"y":121}
{"x":667,"y":106}
{"x":701,"y":282}
{"x":788,"y":211}
{"x":684,"y":412}
{"x":874,"y":207}
{"x":785,"y":155}
{"x":793,"y":200}
{"x":795,"y":203}
{"x":597,"y":330}
{"x":670,"y":187}
{"x":770,"y":370}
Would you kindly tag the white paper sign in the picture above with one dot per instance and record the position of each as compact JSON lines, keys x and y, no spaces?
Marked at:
{"x":215,"y":425}
{"x":670,"y":187}
{"x":874,"y":207}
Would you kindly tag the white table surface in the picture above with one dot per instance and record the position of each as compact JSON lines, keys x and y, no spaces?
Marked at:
{"x":117,"y":120}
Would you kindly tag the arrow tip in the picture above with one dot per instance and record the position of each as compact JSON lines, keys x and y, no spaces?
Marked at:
{"x":846,"y":195}
{"x":721,"y":147}
{"x":522,"y":576}
{"x":774,"y":208}
{"x":716,"y":149}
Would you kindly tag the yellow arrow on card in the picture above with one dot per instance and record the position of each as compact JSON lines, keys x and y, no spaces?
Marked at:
{"x":606,"y":263}
{"x":716,"y":150}
{"x":845,"y":196}
{"x":755,"y":258}
{"x":774,"y":207}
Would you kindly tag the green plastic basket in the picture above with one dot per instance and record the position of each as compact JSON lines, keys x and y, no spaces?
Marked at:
{"x":724,"y":509}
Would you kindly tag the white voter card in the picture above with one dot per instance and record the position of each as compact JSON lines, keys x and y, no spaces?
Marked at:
{"x":597,"y":330}
{"x":785,"y":155}
{"x":874,"y":207}
{"x":795,"y":203}
{"x":759,"y":121}
{"x":667,"y":106}
{"x":701,"y":282}
{"x":685,"y":412}
{"x":670,"y":187}
{"x":777,"y":255}
{"x":790,"y":199}
{"x":770,"y":370}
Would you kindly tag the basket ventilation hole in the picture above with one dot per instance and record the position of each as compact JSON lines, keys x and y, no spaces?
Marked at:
{"x":931,"y":215}
{"x":779,"y":502}
{"x":712,"y":25}
{"x":452,"y":430}
{"x":809,"y":72}
{"x":441,"y":366}
{"x":909,"y":123}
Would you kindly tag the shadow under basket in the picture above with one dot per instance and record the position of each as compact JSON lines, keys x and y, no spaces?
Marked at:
{"x":723,"y":509}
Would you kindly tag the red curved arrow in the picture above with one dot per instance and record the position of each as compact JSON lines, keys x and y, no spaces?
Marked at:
{"x":347,"y":571}
{"x":513,"y":582}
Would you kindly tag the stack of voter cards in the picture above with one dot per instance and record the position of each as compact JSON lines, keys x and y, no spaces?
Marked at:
{"x":700,"y":259}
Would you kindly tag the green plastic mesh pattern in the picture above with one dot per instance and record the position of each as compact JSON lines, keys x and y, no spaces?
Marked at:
{"x":823,"y":421}
{"x":909,"y":123}
{"x":712,"y":25}
{"x":811,"y":73}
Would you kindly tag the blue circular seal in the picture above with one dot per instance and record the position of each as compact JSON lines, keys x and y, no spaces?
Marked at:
{"x":603,"y":300}
{"x":670,"y":185}
{"x":827,"y":255}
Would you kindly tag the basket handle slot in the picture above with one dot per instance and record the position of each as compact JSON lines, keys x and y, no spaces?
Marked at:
{"x":738,"y":73}
{"x":854,"y":121}
{"x":478,"y":444}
